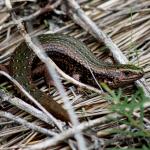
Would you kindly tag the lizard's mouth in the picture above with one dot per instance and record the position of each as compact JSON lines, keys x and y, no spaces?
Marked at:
{"x":123,"y":80}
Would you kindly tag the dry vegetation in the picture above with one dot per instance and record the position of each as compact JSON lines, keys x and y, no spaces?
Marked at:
{"x":111,"y":120}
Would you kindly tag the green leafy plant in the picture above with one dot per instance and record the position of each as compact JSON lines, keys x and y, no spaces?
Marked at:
{"x":128,"y":106}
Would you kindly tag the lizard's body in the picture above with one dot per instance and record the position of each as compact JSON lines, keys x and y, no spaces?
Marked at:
{"x":74,"y":57}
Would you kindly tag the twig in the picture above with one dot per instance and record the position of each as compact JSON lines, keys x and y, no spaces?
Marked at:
{"x":4,"y":18}
{"x":70,"y":132}
{"x":44,"y":58}
{"x":26,"y":123}
{"x":72,"y":80}
{"x":86,"y":23}
{"x":31,"y":98}
{"x":24,"y":106}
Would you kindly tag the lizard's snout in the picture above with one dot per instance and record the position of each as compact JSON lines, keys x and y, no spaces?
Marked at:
{"x":129,"y":76}
{"x":123,"y":77}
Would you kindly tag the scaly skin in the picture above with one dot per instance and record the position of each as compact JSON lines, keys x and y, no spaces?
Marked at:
{"x":74,"y":57}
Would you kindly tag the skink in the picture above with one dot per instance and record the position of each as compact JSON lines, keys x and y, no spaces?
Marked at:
{"x":73,"y":57}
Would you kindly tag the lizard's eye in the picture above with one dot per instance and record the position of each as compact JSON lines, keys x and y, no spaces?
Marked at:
{"x":127,"y":73}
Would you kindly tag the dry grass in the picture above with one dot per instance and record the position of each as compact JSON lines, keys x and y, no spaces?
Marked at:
{"x":127,"y":22}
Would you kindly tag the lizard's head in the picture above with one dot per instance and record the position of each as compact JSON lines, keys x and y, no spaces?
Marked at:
{"x":123,"y":75}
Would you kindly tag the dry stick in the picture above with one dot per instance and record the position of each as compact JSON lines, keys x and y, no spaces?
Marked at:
{"x":26,"y":123}
{"x":70,"y":132}
{"x":46,"y":60}
{"x":24,"y":106}
{"x":86,"y":23}
{"x":31,"y":98}
{"x":72,"y":80}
